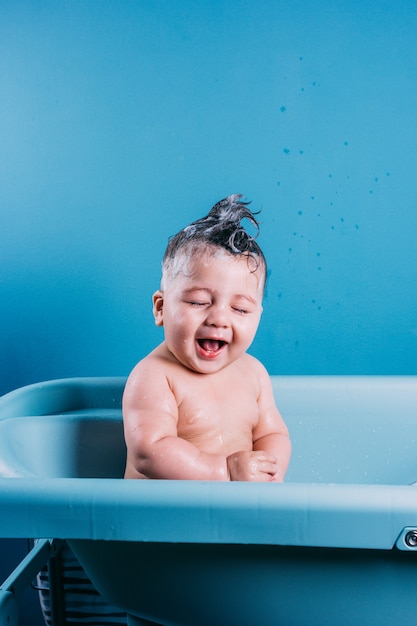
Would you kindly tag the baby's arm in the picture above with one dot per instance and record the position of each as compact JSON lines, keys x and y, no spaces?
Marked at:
{"x":271,"y":434}
{"x":154,"y":450}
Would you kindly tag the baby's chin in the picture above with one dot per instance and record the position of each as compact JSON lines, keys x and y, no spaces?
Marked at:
{"x":209,"y":368}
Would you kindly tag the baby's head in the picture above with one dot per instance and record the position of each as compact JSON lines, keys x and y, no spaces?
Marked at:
{"x":220,"y":230}
{"x":213,"y":280}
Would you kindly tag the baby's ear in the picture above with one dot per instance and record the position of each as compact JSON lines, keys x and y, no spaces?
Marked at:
{"x":158,"y":307}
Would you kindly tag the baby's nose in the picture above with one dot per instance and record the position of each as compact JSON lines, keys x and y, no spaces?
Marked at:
{"x":218,"y":316}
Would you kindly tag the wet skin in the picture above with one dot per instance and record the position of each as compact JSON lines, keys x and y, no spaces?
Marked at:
{"x":198,"y":406}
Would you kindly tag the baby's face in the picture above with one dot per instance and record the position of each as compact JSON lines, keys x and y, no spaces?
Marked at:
{"x":211,"y":310}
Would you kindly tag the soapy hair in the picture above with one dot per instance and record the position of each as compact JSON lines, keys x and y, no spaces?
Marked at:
{"x":220,"y":228}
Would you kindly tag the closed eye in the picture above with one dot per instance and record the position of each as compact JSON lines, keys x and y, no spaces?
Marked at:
{"x":241,"y":311}
{"x":197,"y":304}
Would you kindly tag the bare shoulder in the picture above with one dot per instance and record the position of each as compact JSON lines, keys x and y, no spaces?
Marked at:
{"x":149,"y":376}
{"x":149,"y":365}
{"x":254,"y":368}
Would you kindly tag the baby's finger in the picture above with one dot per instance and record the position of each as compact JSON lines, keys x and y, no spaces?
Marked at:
{"x":267,"y":467}
{"x":264,"y":457}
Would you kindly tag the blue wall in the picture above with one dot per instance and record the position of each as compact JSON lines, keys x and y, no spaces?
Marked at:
{"x":121,"y":121}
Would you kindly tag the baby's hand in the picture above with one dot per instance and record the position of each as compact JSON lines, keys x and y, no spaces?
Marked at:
{"x":252,"y":466}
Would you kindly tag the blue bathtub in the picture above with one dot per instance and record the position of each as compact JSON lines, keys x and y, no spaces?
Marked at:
{"x":335,"y":544}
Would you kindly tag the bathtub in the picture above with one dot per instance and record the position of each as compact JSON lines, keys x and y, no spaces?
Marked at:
{"x":335,"y":544}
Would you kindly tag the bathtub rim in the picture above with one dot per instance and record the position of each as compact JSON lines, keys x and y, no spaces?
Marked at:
{"x":292,"y":514}
{"x":296,"y":514}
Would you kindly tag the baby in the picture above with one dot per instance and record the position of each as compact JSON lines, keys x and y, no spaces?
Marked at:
{"x":198,"y":407}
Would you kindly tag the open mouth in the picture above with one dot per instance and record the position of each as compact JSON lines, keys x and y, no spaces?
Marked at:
{"x":211,"y":346}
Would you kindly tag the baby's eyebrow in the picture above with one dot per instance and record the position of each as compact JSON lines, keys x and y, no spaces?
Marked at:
{"x":193,"y":289}
{"x":245,"y":297}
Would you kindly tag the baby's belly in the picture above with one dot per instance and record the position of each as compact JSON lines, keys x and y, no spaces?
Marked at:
{"x":219,"y":442}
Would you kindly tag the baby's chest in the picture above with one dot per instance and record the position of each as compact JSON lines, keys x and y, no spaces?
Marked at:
{"x":214,"y":414}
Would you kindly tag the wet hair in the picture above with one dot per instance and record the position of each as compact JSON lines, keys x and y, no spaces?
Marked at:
{"x":220,"y":228}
